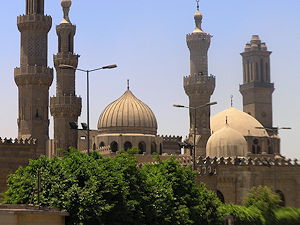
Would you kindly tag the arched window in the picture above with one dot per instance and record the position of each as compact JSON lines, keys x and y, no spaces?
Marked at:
{"x":153,"y":147}
{"x":142,"y":147}
{"x":38,"y":7}
{"x":282,"y":198}
{"x":94,"y":146}
{"x":127,"y":145}
{"x":102,"y":144}
{"x":220,"y":196}
{"x":256,"y":149}
{"x":160,"y":149}
{"x":270,"y":150}
{"x":114,"y":146}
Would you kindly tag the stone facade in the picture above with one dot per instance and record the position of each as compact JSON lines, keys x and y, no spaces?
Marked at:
{"x":65,"y":107}
{"x":199,"y":85}
{"x":31,"y":215}
{"x":232,"y":178}
{"x":13,"y":154}
{"x":33,"y":77}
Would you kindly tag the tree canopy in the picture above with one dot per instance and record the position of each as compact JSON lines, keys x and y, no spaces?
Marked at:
{"x":114,"y":190}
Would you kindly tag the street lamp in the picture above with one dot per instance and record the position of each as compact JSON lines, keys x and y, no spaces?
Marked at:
{"x":88,"y":93}
{"x":195,"y":114}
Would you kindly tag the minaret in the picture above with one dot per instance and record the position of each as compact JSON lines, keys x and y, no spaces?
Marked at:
{"x":257,"y":88}
{"x":66,"y":106}
{"x":33,"y":77}
{"x":199,"y":85}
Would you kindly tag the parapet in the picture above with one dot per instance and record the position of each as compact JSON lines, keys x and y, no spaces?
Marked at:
{"x":170,"y":138}
{"x":18,"y":142}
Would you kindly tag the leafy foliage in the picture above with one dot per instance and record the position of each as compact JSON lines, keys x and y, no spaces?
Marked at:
{"x":113,"y":190}
{"x":243,"y":215}
{"x":264,"y":199}
{"x":287,"y":216}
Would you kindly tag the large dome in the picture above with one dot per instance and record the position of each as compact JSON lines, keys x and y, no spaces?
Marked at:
{"x":226,"y":142}
{"x":240,"y":121}
{"x":127,"y":115}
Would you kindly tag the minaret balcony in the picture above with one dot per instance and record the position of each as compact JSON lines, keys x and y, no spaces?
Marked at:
{"x":34,"y":22}
{"x":66,"y":58}
{"x":33,"y":75}
{"x":65,"y":106}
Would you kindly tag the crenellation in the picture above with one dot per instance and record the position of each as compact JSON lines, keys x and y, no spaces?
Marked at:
{"x":34,"y":22}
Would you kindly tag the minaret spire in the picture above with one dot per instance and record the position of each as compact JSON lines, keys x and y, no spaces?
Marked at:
{"x":199,"y":85}
{"x":65,"y":107}
{"x":66,"y":5}
{"x":34,"y":77}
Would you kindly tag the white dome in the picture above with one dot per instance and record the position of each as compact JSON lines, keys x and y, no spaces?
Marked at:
{"x":226,"y":142}
{"x":240,"y":121}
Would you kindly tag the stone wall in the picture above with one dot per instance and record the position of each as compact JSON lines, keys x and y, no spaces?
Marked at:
{"x":14,"y":153}
{"x":233,"y":178}
{"x":30,"y":215}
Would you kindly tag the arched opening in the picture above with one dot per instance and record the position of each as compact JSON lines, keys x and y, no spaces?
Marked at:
{"x":127,"y":145}
{"x":114,"y":147}
{"x":94,"y":146}
{"x":256,"y":149}
{"x":153,"y":147}
{"x":38,"y":7}
{"x":160,"y":149}
{"x":59,"y":43}
{"x":142,"y":147}
{"x":220,"y":196}
{"x":70,"y":43}
{"x":282,"y":198}
{"x":270,"y":150}
{"x":102,"y":144}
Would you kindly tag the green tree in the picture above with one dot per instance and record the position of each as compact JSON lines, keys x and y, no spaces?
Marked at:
{"x":264,"y":199}
{"x":243,"y":215}
{"x":114,"y":191}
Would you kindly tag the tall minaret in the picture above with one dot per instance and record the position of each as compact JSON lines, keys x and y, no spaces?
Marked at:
{"x":66,"y":106}
{"x":199,"y":85}
{"x":33,"y":77}
{"x":257,"y":88}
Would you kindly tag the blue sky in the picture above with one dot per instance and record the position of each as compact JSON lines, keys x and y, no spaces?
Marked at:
{"x":147,"y":41}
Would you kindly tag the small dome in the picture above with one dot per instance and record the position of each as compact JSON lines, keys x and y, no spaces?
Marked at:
{"x":226,"y":142}
{"x":127,"y":115}
{"x":198,"y":20}
{"x":239,"y":121}
{"x":66,"y":3}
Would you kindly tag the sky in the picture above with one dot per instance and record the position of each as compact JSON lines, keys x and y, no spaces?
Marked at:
{"x":147,"y":41}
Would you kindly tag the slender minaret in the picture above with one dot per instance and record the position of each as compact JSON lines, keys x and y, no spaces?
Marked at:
{"x":257,"y":88}
{"x":199,"y":85}
{"x":33,"y":77}
{"x":66,"y":106}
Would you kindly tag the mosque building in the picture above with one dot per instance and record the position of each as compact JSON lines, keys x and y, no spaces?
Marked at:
{"x":235,"y":150}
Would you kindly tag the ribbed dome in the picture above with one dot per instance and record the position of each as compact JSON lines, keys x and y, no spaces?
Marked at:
{"x":239,"y":121}
{"x":127,"y":115}
{"x":226,"y":142}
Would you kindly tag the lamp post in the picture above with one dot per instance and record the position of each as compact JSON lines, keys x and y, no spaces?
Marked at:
{"x":88,"y":93}
{"x":195,"y":120}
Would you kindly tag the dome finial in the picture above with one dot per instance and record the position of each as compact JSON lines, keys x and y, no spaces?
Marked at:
{"x":198,"y":19}
{"x":128,"y":84}
{"x":231,"y":100}
{"x":66,"y":5}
